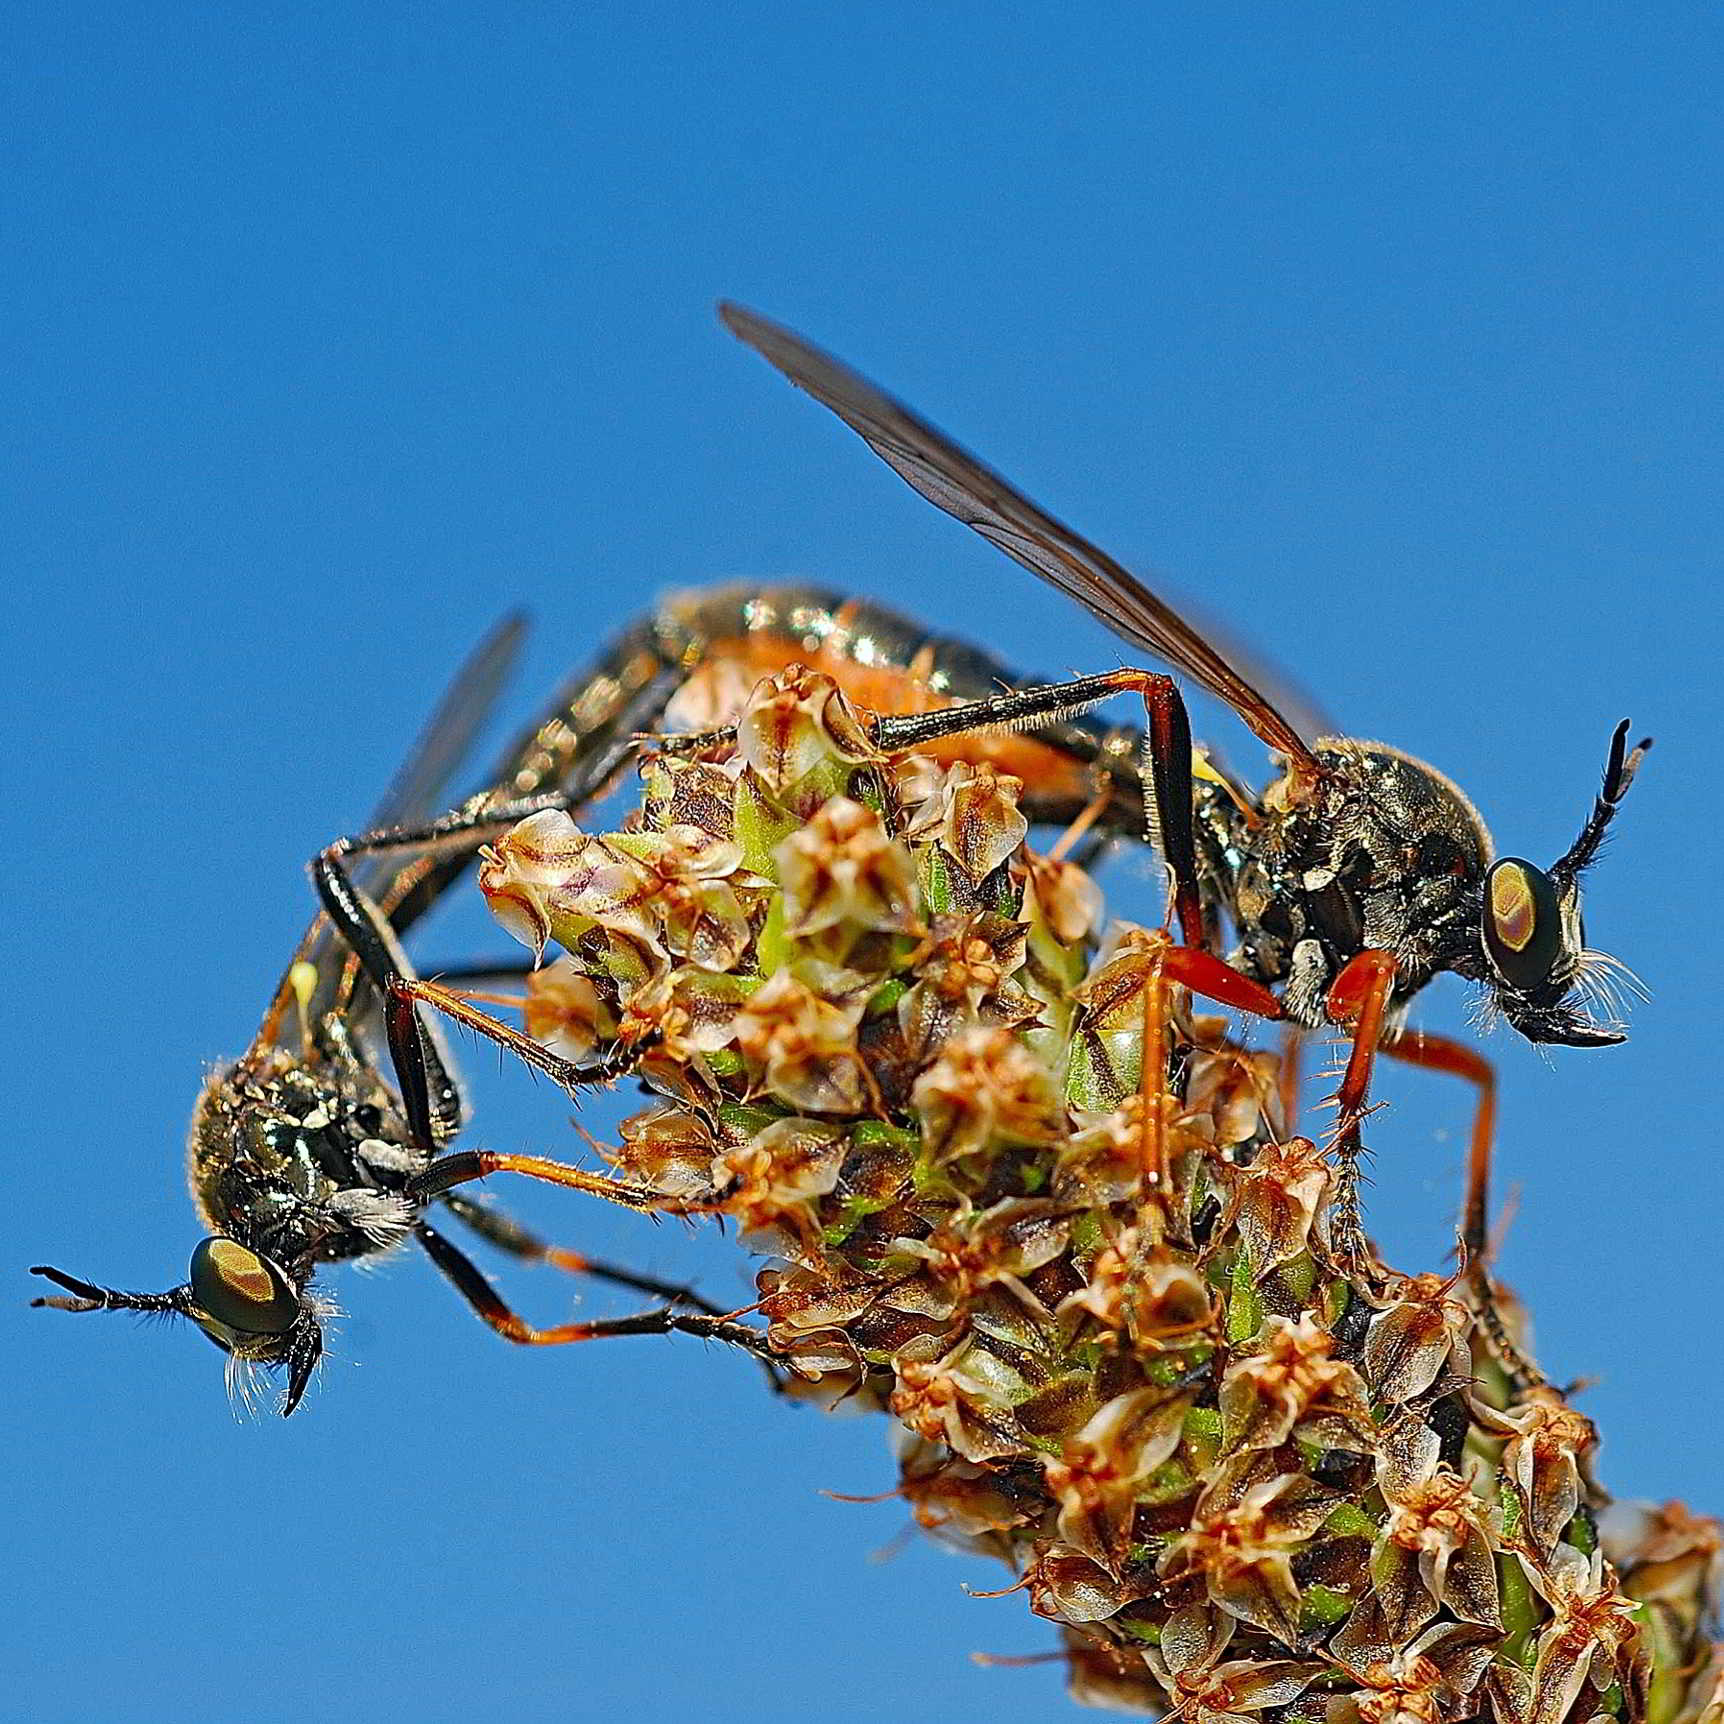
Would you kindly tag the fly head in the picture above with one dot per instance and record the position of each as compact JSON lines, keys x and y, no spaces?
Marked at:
{"x":263,"y":1315}
{"x":1542,"y":975}
{"x":293,"y":1162}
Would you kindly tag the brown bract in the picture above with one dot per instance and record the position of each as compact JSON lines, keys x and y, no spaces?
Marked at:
{"x":841,"y":874}
{"x":1294,"y":1387}
{"x":799,"y":1040}
{"x":796,"y":732}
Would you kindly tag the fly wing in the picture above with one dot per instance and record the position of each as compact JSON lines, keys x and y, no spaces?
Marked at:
{"x":323,"y":974}
{"x":420,"y":790}
{"x":954,"y":480}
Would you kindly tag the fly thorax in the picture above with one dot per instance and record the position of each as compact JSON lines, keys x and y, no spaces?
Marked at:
{"x":300,"y":1162}
{"x":1398,"y":863}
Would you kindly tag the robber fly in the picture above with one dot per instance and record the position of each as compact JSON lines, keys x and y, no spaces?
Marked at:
{"x":1350,"y":882}
{"x":329,"y":1137}
{"x":307,"y":1148}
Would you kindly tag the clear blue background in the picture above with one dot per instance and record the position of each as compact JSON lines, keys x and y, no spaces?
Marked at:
{"x":1392,"y":333}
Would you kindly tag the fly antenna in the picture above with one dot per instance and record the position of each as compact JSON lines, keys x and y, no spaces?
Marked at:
{"x":87,"y":1296}
{"x":1619,"y":771}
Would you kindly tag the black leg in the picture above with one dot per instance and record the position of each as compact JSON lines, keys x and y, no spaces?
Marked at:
{"x":1168,"y":782}
{"x":459,"y":833}
{"x":411,"y":1054}
{"x":665,"y":1320}
{"x":1019,"y":709}
{"x":510,"y":969}
{"x":429,"y":1095}
{"x":507,"y":1234}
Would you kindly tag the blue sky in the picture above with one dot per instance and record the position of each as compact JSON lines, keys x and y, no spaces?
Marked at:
{"x":1389,"y":333}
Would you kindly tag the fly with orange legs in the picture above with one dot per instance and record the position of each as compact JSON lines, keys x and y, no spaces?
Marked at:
{"x":331,"y":1136}
{"x":1349,"y":883}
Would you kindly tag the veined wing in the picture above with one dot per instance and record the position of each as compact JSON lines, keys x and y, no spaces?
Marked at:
{"x":954,"y":480}
{"x":420,"y":789}
{"x":418,"y":792}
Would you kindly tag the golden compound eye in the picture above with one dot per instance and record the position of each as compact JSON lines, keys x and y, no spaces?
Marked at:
{"x":236,"y":1286}
{"x":1523,"y":924}
{"x":1513,"y":913}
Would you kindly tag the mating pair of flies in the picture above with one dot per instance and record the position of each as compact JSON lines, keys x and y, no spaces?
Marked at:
{"x":1348,"y":883}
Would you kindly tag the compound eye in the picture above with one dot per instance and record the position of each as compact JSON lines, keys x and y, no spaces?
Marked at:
{"x":1523,"y":924}
{"x":239,"y":1288}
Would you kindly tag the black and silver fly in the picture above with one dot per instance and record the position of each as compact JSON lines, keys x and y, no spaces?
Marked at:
{"x":326,"y":1140}
{"x":1349,"y":883}
{"x":307,"y":1148}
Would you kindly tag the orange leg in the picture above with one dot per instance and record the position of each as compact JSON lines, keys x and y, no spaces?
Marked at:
{"x":466,"y":1165}
{"x":1204,"y":973}
{"x":462,"y":1010}
{"x":1440,"y":1054}
{"x":1292,"y":1071}
{"x":1358,"y":1000}
{"x":488,"y":1304}
{"x":1152,"y":1085}
{"x":507,"y":1234}
{"x":1087,"y":816}
{"x":1167,"y":966}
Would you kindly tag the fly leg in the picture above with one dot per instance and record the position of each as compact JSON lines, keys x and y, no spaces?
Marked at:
{"x":567,"y":1074}
{"x":1292,"y":1070}
{"x":409,"y":1043}
{"x":502,"y":1230}
{"x":450,"y":1171}
{"x":446,"y":846}
{"x":1156,"y":1102}
{"x":1167,"y":784}
{"x":418,"y":1063}
{"x":457,"y":836}
{"x":461,"y":1005}
{"x":662,"y":1320}
{"x":463,"y":1166}
{"x":1441,"y":1054}
{"x":1358,"y":1000}
{"x":1168,"y":802}
{"x":507,"y":1234}
{"x":1167,"y":789}
{"x":430,"y":1099}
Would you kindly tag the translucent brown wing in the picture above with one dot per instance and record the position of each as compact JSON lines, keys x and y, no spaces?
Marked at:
{"x":420,"y":789}
{"x":418,"y":792}
{"x":955,"y":481}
